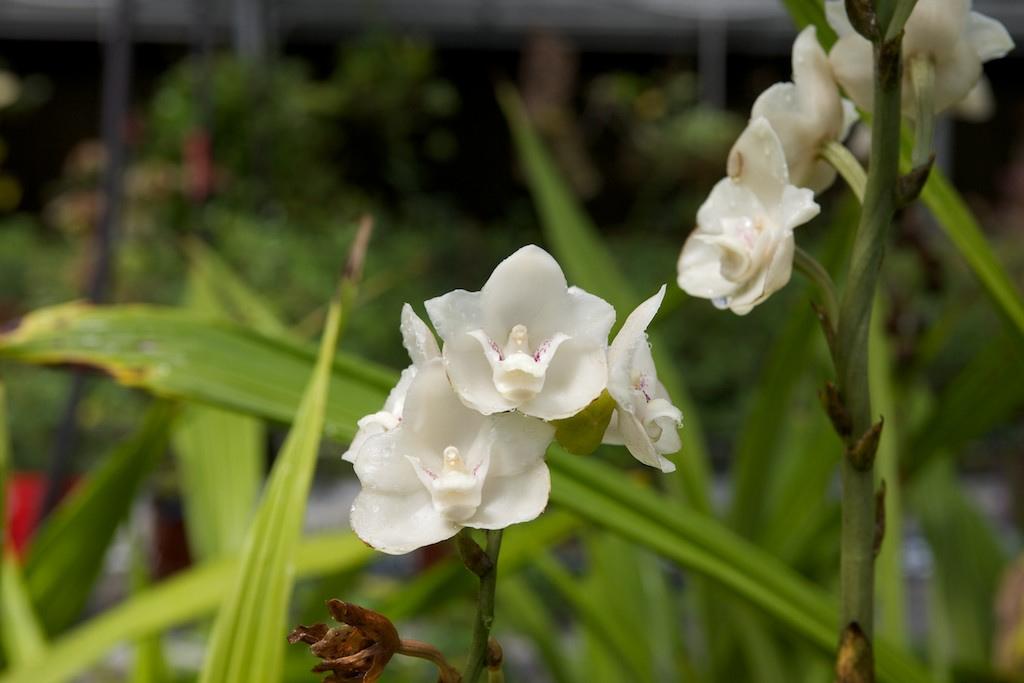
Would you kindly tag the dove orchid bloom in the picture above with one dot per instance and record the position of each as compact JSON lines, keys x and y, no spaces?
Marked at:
{"x":807,"y":113}
{"x":946,"y":34}
{"x":527,"y":341}
{"x":445,"y":467}
{"x":742,"y":248}
{"x":422,"y":347}
{"x":644,"y":419}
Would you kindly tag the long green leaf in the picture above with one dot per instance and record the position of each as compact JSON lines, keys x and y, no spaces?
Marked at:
{"x":173,"y":353}
{"x":247,"y":643}
{"x":590,"y":265}
{"x":21,"y":634}
{"x":67,"y":553}
{"x":184,"y":597}
{"x":890,"y":582}
{"x":528,"y":614}
{"x":582,"y":485}
{"x":149,"y":665}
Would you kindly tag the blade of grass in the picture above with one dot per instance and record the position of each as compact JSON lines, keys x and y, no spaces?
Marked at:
{"x":247,"y":643}
{"x":67,"y":553}
{"x":21,"y":634}
{"x":591,"y":265}
{"x":149,"y":665}
{"x":890,"y":582}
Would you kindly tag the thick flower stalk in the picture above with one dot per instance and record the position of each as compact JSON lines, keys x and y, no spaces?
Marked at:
{"x":422,"y":347}
{"x":741,"y":251}
{"x":445,"y":467}
{"x":807,"y":113}
{"x":945,"y":35}
{"x":527,"y":341}
{"x":644,"y":419}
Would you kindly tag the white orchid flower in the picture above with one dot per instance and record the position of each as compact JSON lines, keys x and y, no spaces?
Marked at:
{"x":807,"y":113}
{"x":954,"y":39}
{"x":742,"y":248}
{"x":527,"y":341}
{"x":422,"y":347}
{"x":644,"y":419}
{"x":446,"y":466}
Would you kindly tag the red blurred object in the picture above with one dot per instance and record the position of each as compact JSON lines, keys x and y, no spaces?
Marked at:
{"x":25,"y":493}
{"x":198,"y":157}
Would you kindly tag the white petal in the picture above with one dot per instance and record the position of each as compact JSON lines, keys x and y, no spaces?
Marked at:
{"x":435,"y":418}
{"x":978,"y":105}
{"x":954,"y":78}
{"x":727,"y":200}
{"x":988,"y":37}
{"x":853,"y":66}
{"x":639,"y":444}
{"x":472,"y":377}
{"x":588,"y":317}
{"x":577,"y":375}
{"x":454,"y":313}
{"x":417,"y":338}
{"x":370,"y":425}
{"x":398,"y":523}
{"x":850,"y":117}
{"x":934,"y":27}
{"x":835,"y":15}
{"x":758,"y":162}
{"x":396,"y":398}
{"x":623,"y":349}
{"x":780,"y":269}
{"x":519,"y":443}
{"x":513,"y":499}
{"x":700,"y":269}
{"x":797,"y":207}
{"x":381,"y":466}
{"x":528,"y":288}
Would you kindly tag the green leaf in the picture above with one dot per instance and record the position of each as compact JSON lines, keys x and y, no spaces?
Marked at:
{"x":185,"y":597}
{"x":889,"y":579}
{"x":590,"y":265}
{"x":67,"y":553}
{"x":21,"y":634}
{"x":149,"y":665}
{"x":175,"y":354}
{"x":968,"y":561}
{"x":247,"y":643}
{"x":525,"y":610}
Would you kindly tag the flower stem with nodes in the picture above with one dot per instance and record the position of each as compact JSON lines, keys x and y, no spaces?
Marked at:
{"x":488,"y":573}
{"x":816,"y":273}
{"x":857,"y":570}
{"x":849,"y":168}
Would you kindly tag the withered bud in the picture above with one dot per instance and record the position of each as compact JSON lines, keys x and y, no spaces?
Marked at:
{"x":835,"y":408}
{"x":909,"y":185}
{"x":854,"y":663}
{"x":495,"y":655}
{"x":862,"y":453}
{"x":357,"y":651}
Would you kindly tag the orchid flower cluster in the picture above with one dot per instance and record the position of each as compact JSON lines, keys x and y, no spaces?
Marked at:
{"x":461,"y":439}
{"x":742,"y":248}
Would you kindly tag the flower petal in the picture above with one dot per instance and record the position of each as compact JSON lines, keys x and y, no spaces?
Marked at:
{"x":519,"y":443}
{"x":454,"y":313}
{"x":700,"y":268}
{"x":527,"y":288}
{"x":835,"y":15}
{"x":435,"y":418}
{"x":639,"y":444}
{"x":513,"y":499}
{"x":934,"y":27}
{"x":758,"y":162}
{"x":797,"y":207}
{"x":852,"y":64}
{"x":398,"y":523}
{"x":577,"y":375}
{"x":623,"y":349}
{"x":988,"y":37}
{"x":587,"y":317}
{"x":381,"y":466}
{"x":472,"y":376}
{"x":417,"y":338}
{"x":954,"y":78}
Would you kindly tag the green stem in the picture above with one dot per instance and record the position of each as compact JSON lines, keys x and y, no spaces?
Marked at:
{"x":816,"y":273}
{"x":857,"y":563}
{"x":922,"y":77}
{"x":842,"y":160}
{"x":484,"y":611}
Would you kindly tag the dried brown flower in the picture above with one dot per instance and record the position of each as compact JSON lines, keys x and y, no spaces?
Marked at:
{"x":357,"y":651}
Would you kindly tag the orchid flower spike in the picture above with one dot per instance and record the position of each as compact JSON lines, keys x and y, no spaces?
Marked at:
{"x":807,"y":113}
{"x":741,"y":251}
{"x":946,"y":33}
{"x":644,"y":419}
{"x":422,"y":347}
{"x":527,"y":341}
{"x":446,"y":466}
